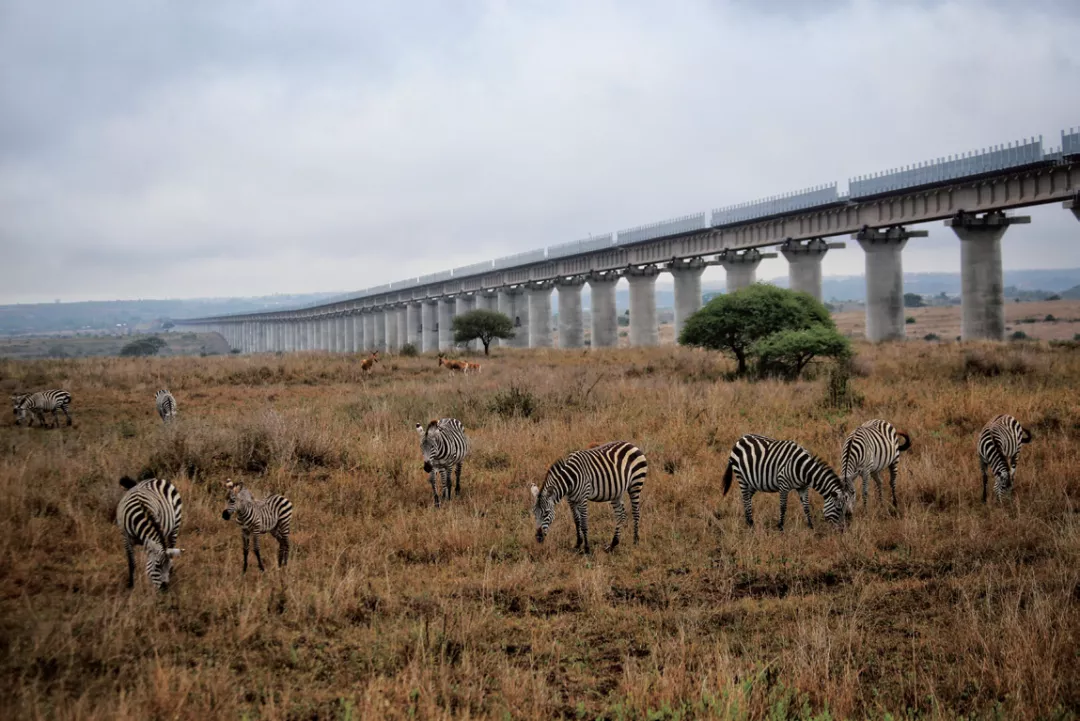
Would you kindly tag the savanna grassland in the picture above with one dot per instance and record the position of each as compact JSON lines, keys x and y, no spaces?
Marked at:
{"x":391,"y":609}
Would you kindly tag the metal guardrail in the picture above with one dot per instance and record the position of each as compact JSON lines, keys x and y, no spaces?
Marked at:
{"x":474,"y":269}
{"x":799,"y":200}
{"x":575,"y":247}
{"x":508,"y":261}
{"x":675,"y":226}
{"x":1070,"y":142}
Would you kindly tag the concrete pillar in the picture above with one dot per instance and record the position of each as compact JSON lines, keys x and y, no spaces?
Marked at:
{"x":446,"y":321}
{"x":605,"y":323}
{"x":369,"y":331}
{"x":571,"y":325}
{"x":687,"y":275}
{"x":885,"y":280}
{"x":804,"y":264}
{"x":380,"y":330}
{"x":429,"y":326}
{"x":1073,"y":204}
{"x":414,"y":319}
{"x":982,"y":283}
{"x":741,"y":267}
{"x":509,"y":301}
{"x":401,"y":317}
{"x":463,"y":304}
{"x":290,"y":336}
{"x":540,"y":314}
{"x":346,"y":332}
{"x":644,"y":330}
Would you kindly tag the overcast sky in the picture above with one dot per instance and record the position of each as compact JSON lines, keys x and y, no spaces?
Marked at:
{"x":164,"y":149}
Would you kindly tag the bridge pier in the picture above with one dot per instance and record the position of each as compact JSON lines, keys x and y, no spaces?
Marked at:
{"x":429,"y":326}
{"x":463,"y":304}
{"x":368,"y":320}
{"x":446,"y":321}
{"x":804,"y":263}
{"x":741,"y":267}
{"x":414,"y":319}
{"x":687,"y":275}
{"x":391,"y":329}
{"x":982,"y":283}
{"x":644,"y":330}
{"x":357,"y":321}
{"x":487,"y":301}
{"x":401,"y":315}
{"x":571,"y":325}
{"x":540,"y":314}
{"x":350,"y":332}
{"x":885,"y":280}
{"x":510,"y":302}
{"x":1073,"y":204}
{"x":380,"y":331}
{"x":328,"y":333}
{"x":605,"y":322}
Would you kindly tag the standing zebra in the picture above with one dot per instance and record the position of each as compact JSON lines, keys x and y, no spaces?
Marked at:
{"x":870,"y":449}
{"x":999,"y":449}
{"x":149,"y":514}
{"x":444,"y":446}
{"x":166,"y":405}
{"x":772,"y":466}
{"x":600,"y":473}
{"x":40,"y":403}
{"x":271,"y":515}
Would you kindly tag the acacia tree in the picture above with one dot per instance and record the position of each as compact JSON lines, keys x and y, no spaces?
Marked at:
{"x":483,"y":325}
{"x":786,"y":353}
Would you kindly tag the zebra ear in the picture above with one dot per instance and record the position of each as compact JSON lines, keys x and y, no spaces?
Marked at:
{"x":419,"y":429}
{"x":535,"y":491}
{"x":228,"y":483}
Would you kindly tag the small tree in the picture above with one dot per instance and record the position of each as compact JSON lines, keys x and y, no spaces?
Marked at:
{"x":483,"y":325}
{"x":786,"y":353}
{"x":913,"y":300}
{"x":143,"y":347}
{"x":734,"y":322}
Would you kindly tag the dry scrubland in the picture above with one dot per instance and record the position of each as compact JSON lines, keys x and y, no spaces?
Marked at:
{"x":393,"y":609}
{"x":944,"y":321}
{"x":24,"y":347}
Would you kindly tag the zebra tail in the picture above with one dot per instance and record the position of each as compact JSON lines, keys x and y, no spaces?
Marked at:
{"x":907,"y":441}
{"x":1025,"y":435}
{"x":128,"y":482}
{"x":728,"y":475}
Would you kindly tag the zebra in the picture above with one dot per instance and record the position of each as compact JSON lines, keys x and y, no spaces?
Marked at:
{"x":149,"y":514}
{"x":272,"y":515}
{"x":870,"y":449}
{"x":599,"y":473}
{"x":999,"y":449}
{"x":36,"y":405}
{"x":444,"y":446}
{"x":166,"y":405}
{"x":772,"y":466}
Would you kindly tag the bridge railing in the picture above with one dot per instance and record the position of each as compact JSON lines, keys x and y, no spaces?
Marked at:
{"x":574,"y":247}
{"x":531,"y":256}
{"x":1070,"y":142}
{"x":675,"y":226}
{"x":788,"y":202}
{"x":474,"y":269}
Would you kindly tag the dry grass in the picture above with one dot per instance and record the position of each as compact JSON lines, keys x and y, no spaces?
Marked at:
{"x":391,"y":609}
{"x":944,"y":321}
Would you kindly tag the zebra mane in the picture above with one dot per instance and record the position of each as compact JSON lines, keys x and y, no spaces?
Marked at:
{"x":432,"y":424}
{"x":153,"y":523}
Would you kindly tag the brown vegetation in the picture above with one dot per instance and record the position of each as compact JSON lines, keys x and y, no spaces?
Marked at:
{"x":1042,"y":320}
{"x":389,"y":608}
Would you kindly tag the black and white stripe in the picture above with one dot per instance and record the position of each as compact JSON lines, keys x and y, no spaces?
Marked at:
{"x":166,"y":405}
{"x":999,"y":449}
{"x":149,"y":515}
{"x":768,"y":465}
{"x":602,"y":474}
{"x":272,"y":515}
{"x":444,"y":446}
{"x":36,"y":405}
{"x":870,"y":449}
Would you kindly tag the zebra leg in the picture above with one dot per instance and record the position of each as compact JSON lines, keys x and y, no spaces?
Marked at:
{"x":457,"y":488}
{"x":434,"y":488}
{"x":877,"y":484}
{"x":635,"y":508}
{"x":748,"y":511}
{"x":446,"y":484}
{"x":804,"y":498}
{"x":783,"y":509}
{"x":575,"y":511}
{"x":865,"y":490}
{"x":620,"y":519}
{"x":258,"y":557}
{"x":131,"y":561}
{"x":584,"y":513}
{"x":283,"y":548}
{"x":982,"y":467}
{"x":892,"y":484}
{"x":247,"y":543}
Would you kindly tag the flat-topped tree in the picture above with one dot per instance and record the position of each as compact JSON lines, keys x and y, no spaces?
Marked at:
{"x":483,"y":325}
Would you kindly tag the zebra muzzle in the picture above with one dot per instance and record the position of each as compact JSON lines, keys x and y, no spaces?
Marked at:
{"x":427,"y":466}
{"x":225,"y":515}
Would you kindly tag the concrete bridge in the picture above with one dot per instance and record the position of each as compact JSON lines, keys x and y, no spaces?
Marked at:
{"x":970,"y":193}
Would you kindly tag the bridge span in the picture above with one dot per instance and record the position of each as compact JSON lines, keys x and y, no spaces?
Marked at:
{"x":970,"y":193}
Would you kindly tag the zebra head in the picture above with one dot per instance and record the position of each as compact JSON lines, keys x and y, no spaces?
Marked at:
{"x":158,"y":554}
{"x":239,"y":498}
{"x":426,"y":445}
{"x":543,"y":512}
{"x":18,"y":404}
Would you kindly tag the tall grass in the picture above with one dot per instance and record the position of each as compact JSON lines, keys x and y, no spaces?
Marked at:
{"x":392,"y":609}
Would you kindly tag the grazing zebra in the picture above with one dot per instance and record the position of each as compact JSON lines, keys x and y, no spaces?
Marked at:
{"x":36,"y":405}
{"x":149,"y":514}
{"x":445,"y":446}
{"x":599,"y":473}
{"x":166,"y":405}
{"x":271,"y":515}
{"x":870,"y":449}
{"x":772,"y":466}
{"x":999,"y":449}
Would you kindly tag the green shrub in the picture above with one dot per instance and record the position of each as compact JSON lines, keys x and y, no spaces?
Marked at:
{"x":409,"y":350}
{"x":515,"y":401}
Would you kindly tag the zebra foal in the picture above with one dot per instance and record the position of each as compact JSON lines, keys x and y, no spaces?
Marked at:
{"x":36,"y":405}
{"x":166,"y":405}
{"x":999,"y":450}
{"x":149,"y":515}
{"x":271,"y":515}
{"x":444,"y":446}
{"x":768,"y":465}
{"x":870,"y":449}
{"x":602,"y":474}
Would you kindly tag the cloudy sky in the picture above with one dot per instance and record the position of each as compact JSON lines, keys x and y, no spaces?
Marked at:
{"x":153,"y":149}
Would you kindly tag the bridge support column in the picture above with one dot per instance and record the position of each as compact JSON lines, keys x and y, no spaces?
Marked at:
{"x":357,"y":321}
{"x":429,"y":326}
{"x":540,"y":314}
{"x":687,"y":275}
{"x":510,"y":305}
{"x":487,"y":301}
{"x":571,"y":325}
{"x":741,"y":267}
{"x":311,"y":334}
{"x":604,"y":327}
{"x":290,"y":336}
{"x":379,"y":332}
{"x":369,"y":331}
{"x":391,"y":326}
{"x":348,"y":335}
{"x":446,"y":322}
{"x":413,"y":321}
{"x":804,"y":263}
{"x":982,"y":283}
{"x":401,"y":314}
{"x":885,"y":280}
{"x":644,"y":330}
{"x":1074,"y":205}
{"x":462,"y":305}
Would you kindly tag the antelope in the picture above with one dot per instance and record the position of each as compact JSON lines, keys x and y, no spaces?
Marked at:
{"x":367,"y":363}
